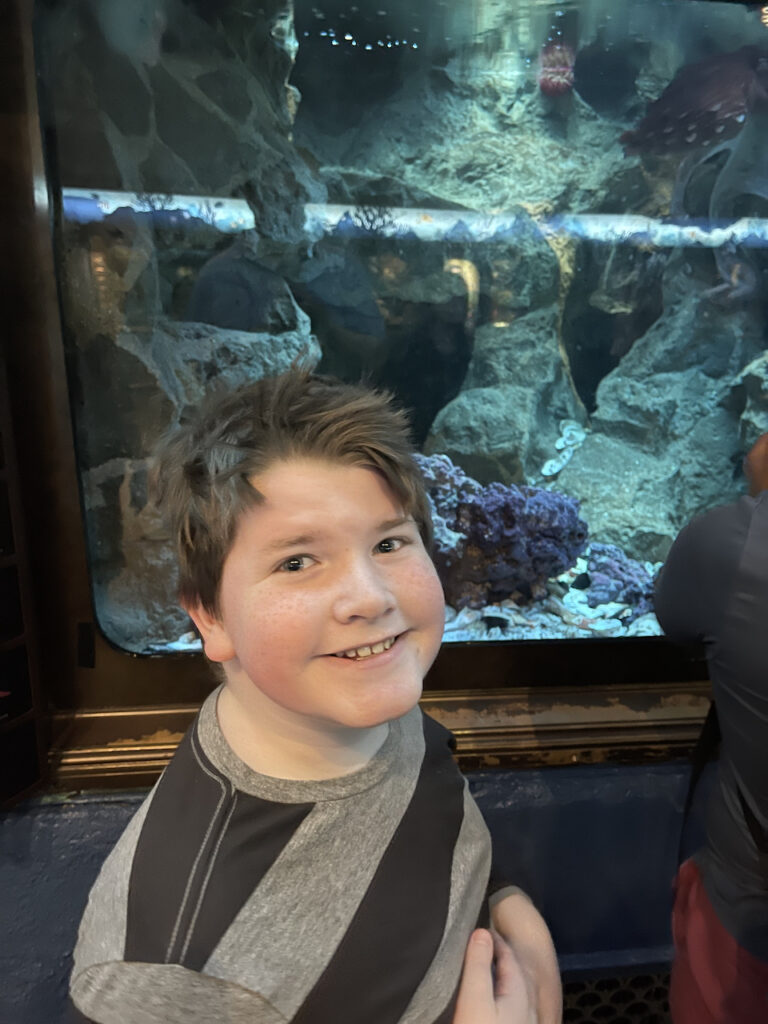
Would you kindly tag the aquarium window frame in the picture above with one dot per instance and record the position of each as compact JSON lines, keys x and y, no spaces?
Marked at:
{"x":113,"y":718}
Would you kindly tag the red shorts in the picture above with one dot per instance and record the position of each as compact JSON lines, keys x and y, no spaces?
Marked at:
{"x":714,"y":980}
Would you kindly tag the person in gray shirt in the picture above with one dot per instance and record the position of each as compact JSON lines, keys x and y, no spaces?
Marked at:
{"x":713,"y":588}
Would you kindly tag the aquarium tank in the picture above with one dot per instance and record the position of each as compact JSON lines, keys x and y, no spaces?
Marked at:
{"x":541,"y":226}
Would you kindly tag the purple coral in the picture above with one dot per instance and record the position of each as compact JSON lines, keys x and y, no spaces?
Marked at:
{"x":495,"y":541}
{"x":615,"y":576}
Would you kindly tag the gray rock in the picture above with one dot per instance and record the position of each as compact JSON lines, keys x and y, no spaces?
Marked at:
{"x":133,"y":567}
{"x":209,"y":114}
{"x":233,"y":290}
{"x":668,"y":430}
{"x":504,"y":423}
{"x":624,"y":493}
{"x":750,"y":394}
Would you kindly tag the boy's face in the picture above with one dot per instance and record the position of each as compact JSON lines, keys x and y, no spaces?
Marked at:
{"x":322,"y":574}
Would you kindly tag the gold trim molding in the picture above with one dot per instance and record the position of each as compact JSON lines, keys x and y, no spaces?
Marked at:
{"x":523,"y":728}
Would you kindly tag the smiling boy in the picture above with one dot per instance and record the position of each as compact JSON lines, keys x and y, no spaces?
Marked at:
{"x":311,"y":854}
{"x":329,"y":615}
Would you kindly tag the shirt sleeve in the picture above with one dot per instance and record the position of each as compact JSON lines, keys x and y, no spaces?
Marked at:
{"x":145,"y":993}
{"x":698,"y":575}
{"x":679,"y":584}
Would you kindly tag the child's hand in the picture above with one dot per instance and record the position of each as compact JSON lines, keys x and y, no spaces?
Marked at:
{"x":485,"y":1001}
{"x":524,"y":930}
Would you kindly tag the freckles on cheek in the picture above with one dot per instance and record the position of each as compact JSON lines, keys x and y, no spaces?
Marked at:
{"x":280,"y":618}
{"x":431,"y":582}
{"x":427,"y":590}
{"x":438,"y":586}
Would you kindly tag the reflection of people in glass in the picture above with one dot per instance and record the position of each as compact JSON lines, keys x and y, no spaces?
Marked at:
{"x":714,"y":588}
{"x":311,"y":853}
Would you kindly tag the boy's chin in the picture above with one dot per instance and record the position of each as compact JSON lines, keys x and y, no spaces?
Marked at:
{"x":395,"y":705}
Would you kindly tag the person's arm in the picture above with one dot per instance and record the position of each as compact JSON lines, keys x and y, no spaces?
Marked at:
{"x":124,"y":993}
{"x":683,"y":599}
{"x":703,"y":560}
{"x":520,"y":925}
{"x":506,"y":998}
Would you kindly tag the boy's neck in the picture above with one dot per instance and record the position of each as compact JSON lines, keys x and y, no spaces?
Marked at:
{"x":276,"y":742}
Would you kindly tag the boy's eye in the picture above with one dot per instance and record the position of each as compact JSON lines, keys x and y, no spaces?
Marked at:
{"x":390,"y":544}
{"x":295,"y":563}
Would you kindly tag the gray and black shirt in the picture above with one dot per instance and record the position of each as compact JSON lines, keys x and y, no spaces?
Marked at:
{"x":235,"y":897}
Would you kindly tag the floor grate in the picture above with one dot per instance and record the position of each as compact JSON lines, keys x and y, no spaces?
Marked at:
{"x":630,"y":999}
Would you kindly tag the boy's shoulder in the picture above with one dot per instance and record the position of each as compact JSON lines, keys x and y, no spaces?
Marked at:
{"x":205,"y":783}
{"x":211,"y":879}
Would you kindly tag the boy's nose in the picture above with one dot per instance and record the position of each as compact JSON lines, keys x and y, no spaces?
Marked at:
{"x":363,"y":593}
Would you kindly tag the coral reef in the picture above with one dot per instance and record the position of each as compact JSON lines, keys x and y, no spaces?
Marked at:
{"x":614,"y":576}
{"x":556,"y":69}
{"x":496,"y":541}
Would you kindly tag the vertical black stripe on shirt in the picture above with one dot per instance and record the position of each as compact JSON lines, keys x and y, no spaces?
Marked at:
{"x":397,"y":929}
{"x":203,"y":849}
{"x":256,"y":834}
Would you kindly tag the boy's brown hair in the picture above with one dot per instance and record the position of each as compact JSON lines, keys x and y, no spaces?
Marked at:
{"x":201,"y":471}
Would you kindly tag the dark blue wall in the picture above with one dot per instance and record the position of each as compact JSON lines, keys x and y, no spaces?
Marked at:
{"x":596,"y":848}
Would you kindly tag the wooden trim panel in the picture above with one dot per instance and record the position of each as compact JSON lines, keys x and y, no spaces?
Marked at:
{"x":493,"y":728}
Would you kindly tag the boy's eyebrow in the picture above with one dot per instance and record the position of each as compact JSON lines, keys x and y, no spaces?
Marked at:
{"x":392,"y":524}
{"x":291,"y":542}
{"x":301,"y":539}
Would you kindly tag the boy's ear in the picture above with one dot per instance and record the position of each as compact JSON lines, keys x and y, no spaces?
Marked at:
{"x":216,"y":642}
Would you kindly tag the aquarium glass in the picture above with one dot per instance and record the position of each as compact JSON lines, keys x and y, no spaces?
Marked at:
{"x":539,"y":225}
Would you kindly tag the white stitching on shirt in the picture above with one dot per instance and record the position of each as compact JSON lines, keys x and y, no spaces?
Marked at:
{"x":207,"y":878}
{"x":206,"y":837}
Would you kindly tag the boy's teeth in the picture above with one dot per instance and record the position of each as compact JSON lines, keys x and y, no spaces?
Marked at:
{"x":366,"y":652}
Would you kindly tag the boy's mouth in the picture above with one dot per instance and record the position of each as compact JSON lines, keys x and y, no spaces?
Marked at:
{"x":360,"y":653}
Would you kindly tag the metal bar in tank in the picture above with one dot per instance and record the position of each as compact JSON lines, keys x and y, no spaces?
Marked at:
{"x":88,"y":205}
{"x":320,"y":219}
{"x":471,"y":225}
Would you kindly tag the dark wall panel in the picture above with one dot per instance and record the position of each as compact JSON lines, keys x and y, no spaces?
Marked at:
{"x":594,"y":846}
